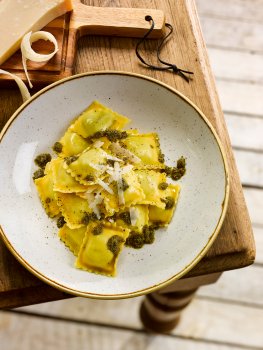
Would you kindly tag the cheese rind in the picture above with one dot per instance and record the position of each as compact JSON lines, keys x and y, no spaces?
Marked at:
{"x":18,"y":17}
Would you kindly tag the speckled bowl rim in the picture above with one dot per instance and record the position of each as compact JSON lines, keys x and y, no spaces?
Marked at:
{"x":188,"y":267}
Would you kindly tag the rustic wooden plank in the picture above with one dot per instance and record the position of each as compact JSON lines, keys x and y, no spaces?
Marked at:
{"x":250,"y":166}
{"x":223,"y":322}
{"x":232,"y":34}
{"x":241,"y":97}
{"x":258,"y":234}
{"x":229,"y":321}
{"x":248,"y":292}
{"x":236,"y":65}
{"x":238,"y":9}
{"x":254,"y":200}
{"x":58,"y":334}
{"x":245,"y":132}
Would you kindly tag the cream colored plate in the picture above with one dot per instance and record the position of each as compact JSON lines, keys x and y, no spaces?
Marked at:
{"x":183,"y":130}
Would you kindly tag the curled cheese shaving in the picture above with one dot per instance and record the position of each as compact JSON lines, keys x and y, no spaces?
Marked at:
{"x":134,"y":215}
{"x":29,"y":54}
{"x":22,"y":87}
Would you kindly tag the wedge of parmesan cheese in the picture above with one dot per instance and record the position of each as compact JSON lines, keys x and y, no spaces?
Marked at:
{"x":18,"y":17}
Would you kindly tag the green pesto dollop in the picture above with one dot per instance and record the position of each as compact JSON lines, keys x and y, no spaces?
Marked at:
{"x":42,"y":159}
{"x":169,"y":202}
{"x":135,"y":240}
{"x":138,"y":239}
{"x":89,"y":178}
{"x":176,"y":172}
{"x":97,"y":230}
{"x":111,"y":134}
{"x":71,"y":159}
{"x":162,"y":186}
{"x":61,"y":222}
{"x":161,"y":157}
{"x":179,"y":170}
{"x":88,"y":217}
{"x":57,"y":147}
{"x":38,"y":173}
{"x":148,"y":234}
{"x":181,"y":163}
{"x":125,"y":216}
{"x":114,"y":244}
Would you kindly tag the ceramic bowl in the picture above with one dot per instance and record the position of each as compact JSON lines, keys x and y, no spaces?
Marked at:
{"x":32,"y":237}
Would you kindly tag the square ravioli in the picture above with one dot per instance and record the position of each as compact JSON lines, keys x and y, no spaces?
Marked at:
{"x":63,"y":181}
{"x":170,"y":198}
{"x":47,"y":195}
{"x":97,"y":118}
{"x":147,"y":148}
{"x":101,"y":248}
{"x":88,"y":166}
{"x":134,"y":218}
{"x":150,"y":181}
{"x":132,"y":193}
{"x":72,"y":238}
{"x":73,"y":208}
{"x":70,"y":144}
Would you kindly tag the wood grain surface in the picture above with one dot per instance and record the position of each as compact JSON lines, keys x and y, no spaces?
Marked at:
{"x":234,"y":247}
{"x":67,"y":29}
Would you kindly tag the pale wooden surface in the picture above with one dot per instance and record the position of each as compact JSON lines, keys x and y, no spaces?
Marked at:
{"x":224,"y":316}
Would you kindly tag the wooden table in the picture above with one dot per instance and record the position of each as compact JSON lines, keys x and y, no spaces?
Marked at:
{"x":234,"y":247}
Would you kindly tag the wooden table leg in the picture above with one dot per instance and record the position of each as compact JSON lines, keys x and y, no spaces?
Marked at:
{"x":160,"y":311}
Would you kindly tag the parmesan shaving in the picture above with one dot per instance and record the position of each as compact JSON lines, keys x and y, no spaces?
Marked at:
{"x":105,"y":186}
{"x":127,"y":168}
{"x":124,"y":152}
{"x":98,"y":144}
{"x":22,"y":87}
{"x":98,"y":167}
{"x":115,"y":175}
{"x":108,"y":156}
{"x":133,"y":215}
{"x":94,"y":202}
{"x":118,"y":177}
{"x":29,"y":54}
{"x":89,"y":190}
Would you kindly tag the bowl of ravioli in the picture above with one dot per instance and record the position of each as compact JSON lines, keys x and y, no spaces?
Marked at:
{"x":115,"y":185}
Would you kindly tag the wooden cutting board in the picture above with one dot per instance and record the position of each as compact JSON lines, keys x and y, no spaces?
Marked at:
{"x":84,"y":20}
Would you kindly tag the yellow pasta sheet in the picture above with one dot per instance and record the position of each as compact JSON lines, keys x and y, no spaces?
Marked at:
{"x":96,"y":118}
{"x":95,"y":255}
{"x":72,"y":238}
{"x":164,"y":216}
